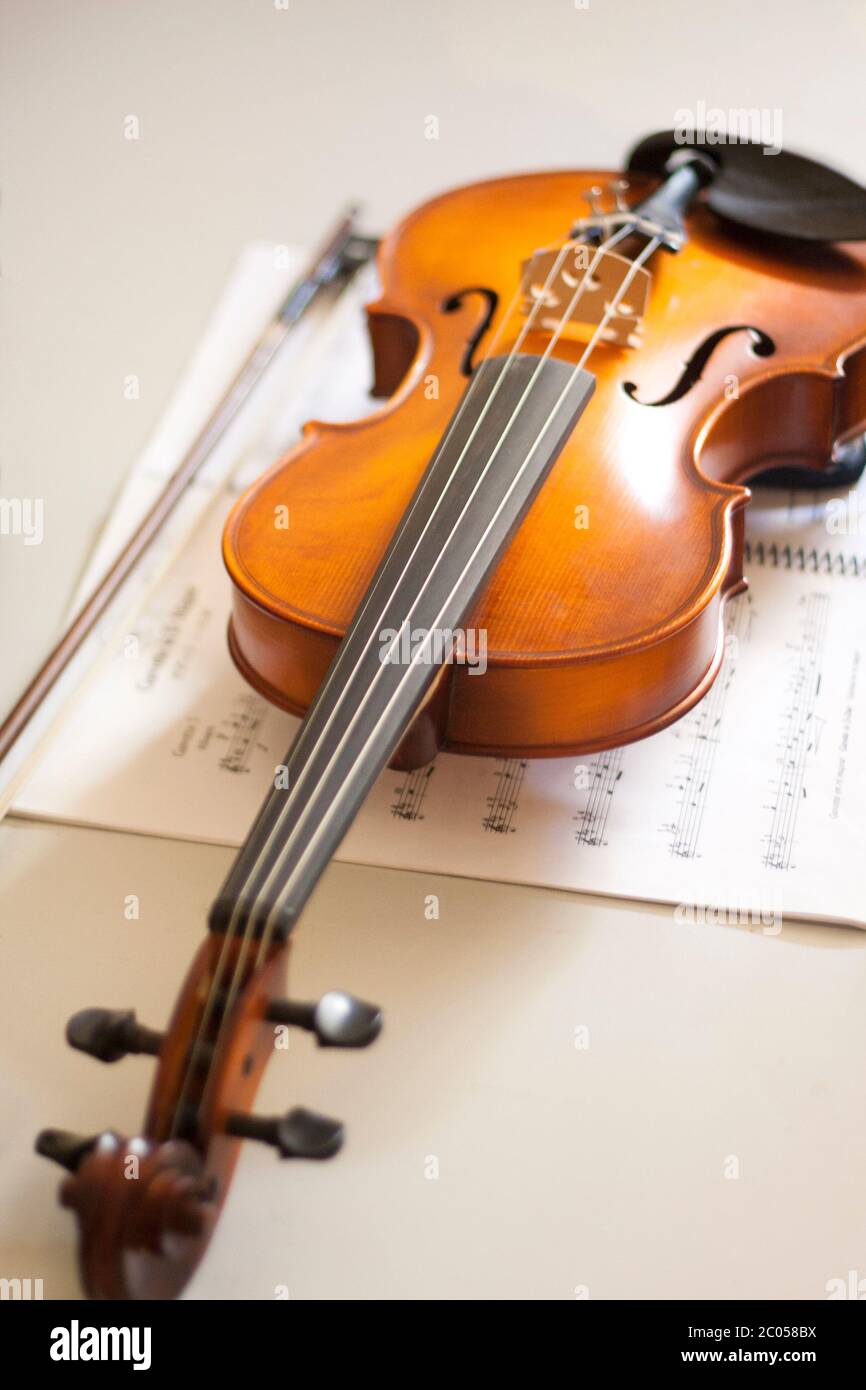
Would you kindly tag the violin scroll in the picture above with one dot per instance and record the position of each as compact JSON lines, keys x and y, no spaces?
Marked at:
{"x":146,"y":1205}
{"x":145,"y":1212}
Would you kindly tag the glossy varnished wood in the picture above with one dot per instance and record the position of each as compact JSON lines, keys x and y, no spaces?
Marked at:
{"x":146,"y":1205}
{"x":596,"y":636}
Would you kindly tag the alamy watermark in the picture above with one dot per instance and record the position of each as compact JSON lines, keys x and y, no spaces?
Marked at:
{"x":845,"y":516}
{"x":23,"y":516}
{"x":16,"y":1290}
{"x":752,"y":910}
{"x":435,"y":646}
{"x":77,"y":1343}
{"x":739,"y":125}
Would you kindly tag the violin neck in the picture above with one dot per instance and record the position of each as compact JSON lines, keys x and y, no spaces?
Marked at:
{"x":503,"y":439}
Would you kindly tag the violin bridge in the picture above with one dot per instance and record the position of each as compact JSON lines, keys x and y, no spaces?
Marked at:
{"x":570,"y":298}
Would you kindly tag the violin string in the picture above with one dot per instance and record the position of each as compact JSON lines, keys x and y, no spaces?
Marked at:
{"x":231,"y":933}
{"x":275,"y":909}
{"x":274,"y":873}
{"x":611,"y":309}
{"x":636,"y":265}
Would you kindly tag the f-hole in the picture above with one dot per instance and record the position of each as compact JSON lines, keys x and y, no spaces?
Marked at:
{"x":491,"y":300}
{"x":762,"y":346}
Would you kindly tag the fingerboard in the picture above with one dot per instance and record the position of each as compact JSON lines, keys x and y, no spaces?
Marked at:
{"x":506,"y":433}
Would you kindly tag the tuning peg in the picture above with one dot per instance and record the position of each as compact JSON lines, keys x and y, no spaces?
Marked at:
{"x":337,"y":1019}
{"x":63,"y":1147}
{"x":620,"y":188}
{"x":109,"y":1034}
{"x":299,"y":1134}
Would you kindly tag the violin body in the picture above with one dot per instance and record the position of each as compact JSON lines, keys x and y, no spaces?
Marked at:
{"x":603,"y":619}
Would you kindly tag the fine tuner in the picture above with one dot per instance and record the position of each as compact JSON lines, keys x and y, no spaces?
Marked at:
{"x":659,"y":216}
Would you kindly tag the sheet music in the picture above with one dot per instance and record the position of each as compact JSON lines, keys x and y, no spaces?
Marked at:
{"x":751,"y":807}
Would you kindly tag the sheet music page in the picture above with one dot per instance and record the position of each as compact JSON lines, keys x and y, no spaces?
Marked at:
{"x":751,"y":807}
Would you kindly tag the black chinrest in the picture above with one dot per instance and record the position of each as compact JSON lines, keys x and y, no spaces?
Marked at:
{"x":778,"y":192}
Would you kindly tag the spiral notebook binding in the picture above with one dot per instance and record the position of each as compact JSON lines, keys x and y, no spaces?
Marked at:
{"x":814,"y":561}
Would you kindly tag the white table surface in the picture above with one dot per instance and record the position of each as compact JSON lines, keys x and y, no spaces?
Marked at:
{"x":560,"y":1168}
{"x":602,"y":1169}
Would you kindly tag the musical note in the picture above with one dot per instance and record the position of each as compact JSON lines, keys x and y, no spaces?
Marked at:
{"x":605,"y":772}
{"x":699,"y":735}
{"x":240,"y":730}
{"x":502,"y":805}
{"x":409,"y":794}
{"x":799,"y":733}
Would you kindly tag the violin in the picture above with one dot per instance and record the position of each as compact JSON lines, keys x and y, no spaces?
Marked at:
{"x":525,"y":550}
